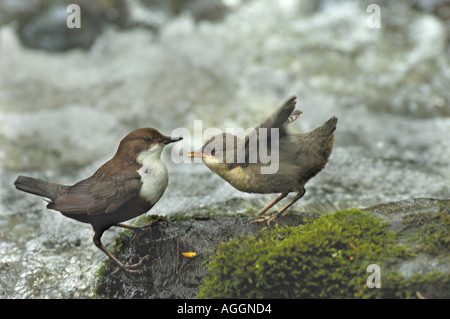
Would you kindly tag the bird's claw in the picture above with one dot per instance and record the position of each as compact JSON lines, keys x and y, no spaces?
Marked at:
{"x":269,"y":218}
{"x":150,"y":223}
{"x":131,"y":268}
{"x":129,"y":265}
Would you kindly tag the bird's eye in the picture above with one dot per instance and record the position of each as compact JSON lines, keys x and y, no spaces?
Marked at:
{"x":213,"y":152}
{"x":147,"y":138}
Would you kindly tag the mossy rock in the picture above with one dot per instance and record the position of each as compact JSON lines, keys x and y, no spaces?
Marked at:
{"x":300,"y":256}
{"x":169,"y":274}
{"x":328,"y":258}
{"x":424,"y":222}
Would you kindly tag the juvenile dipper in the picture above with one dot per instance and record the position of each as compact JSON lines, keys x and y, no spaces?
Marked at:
{"x":126,"y":186}
{"x":300,"y":157}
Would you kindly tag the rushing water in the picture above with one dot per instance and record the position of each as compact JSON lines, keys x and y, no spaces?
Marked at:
{"x":63,"y":114}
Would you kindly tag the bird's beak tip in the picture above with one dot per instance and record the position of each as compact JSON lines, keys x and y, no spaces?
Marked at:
{"x":195,"y":154}
{"x":169,"y":139}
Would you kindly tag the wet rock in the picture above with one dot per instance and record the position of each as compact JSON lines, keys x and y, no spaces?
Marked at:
{"x":440,"y":8}
{"x":43,"y":25}
{"x":15,"y":9}
{"x":167,"y":277}
{"x":423,"y":225}
{"x":395,"y":213}
{"x":48,"y":31}
{"x":170,"y":277}
{"x":212,"y":10}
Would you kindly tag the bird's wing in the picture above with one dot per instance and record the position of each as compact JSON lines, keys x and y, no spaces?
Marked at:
{"x":284,"y":115}
{"x":293,"y":117}
{"x":279,"y":118}
{"x":99,"y":196}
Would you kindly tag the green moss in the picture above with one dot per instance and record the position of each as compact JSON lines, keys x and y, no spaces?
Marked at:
{"x":327,"y":258}
{"x":434,"y":235}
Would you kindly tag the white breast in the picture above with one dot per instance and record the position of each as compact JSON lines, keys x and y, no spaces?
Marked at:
{"x":154,"y":176}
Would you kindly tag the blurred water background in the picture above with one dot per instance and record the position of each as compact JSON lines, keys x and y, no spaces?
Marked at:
{"x":68,"y":96}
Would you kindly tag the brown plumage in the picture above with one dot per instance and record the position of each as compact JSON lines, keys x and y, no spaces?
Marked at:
{"x":300,"y":157}
{"x":125,"y":187}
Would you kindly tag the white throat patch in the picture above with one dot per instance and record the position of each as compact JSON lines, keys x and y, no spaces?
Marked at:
{"x":154,"y":175}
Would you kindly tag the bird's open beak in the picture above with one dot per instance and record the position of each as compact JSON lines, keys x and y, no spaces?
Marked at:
{"x":169,"y":139}
{"x":196,"y":154}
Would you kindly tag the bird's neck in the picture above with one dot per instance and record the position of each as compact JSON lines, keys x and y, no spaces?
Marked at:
{"x":151,"y":156}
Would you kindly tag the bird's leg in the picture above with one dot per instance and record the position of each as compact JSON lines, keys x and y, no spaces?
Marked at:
{"x":127,"y":268}
{"x":265,"y":209}
{"x":280,"y":213}
{"x":137,"y":229}
{"x":133,"y":228}
{"x":276,"y":200}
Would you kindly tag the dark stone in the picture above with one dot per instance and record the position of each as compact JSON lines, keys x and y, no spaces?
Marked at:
{"x":45,"y":27}
{"x":196,"y":234}
{"x":164,"y":277}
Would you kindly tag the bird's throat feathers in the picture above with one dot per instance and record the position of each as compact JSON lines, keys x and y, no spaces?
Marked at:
{"x":153,"y":172}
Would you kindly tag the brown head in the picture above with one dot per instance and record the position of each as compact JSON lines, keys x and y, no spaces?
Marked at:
{"x":143,"y":140}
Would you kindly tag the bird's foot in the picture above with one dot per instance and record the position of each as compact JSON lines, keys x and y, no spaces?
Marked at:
{"x":130,"y":265}
{"x":150,"y":223}
{"x":269,"y":218}
{"x":130,"y":268}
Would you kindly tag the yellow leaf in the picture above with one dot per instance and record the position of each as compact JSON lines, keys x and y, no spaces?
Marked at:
{"x":189,"y":254}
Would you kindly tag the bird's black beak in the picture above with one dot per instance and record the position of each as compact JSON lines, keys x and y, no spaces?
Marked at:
{"x":169,"y":139}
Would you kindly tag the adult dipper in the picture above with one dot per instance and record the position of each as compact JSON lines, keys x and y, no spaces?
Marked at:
{"x":126,"y":186}
{"x":300,"y":157}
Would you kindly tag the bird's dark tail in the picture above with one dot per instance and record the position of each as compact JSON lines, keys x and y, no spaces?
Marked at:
{"x":40,"y":187}
{"x":326,"y":129}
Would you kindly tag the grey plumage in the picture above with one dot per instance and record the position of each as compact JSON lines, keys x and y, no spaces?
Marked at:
{"x":40,"y":187}
{"x":300,"y":156}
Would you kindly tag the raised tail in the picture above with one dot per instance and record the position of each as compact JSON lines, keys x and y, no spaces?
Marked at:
{"x":326,"y":129}
{"x":40,"y":187}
